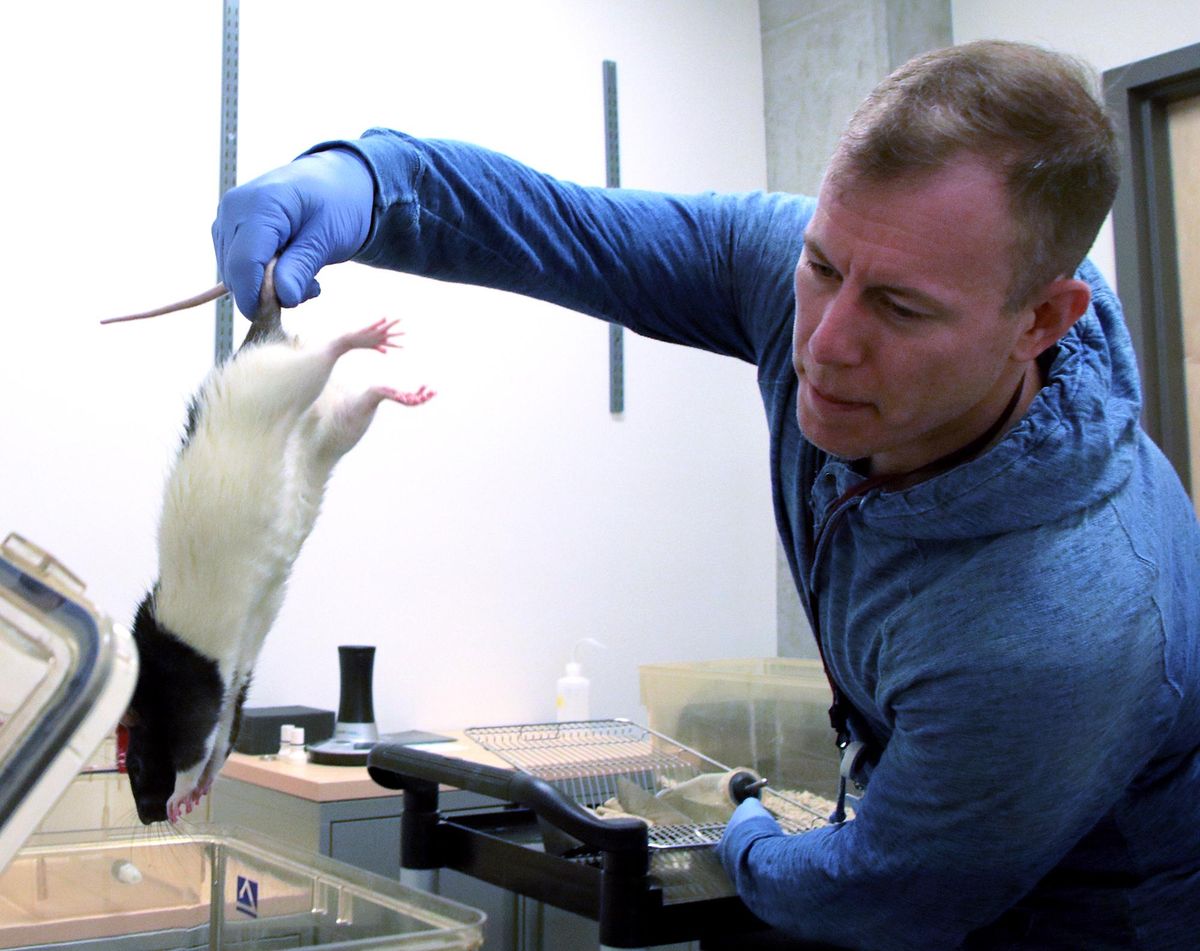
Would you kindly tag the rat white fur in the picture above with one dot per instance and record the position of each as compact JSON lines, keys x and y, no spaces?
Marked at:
{"x":243,"y":496}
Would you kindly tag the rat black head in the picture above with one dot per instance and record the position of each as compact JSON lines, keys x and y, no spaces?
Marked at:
{"x":174,"y":708}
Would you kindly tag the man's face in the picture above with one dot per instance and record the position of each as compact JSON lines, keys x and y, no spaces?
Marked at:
{"x":901,"y":344}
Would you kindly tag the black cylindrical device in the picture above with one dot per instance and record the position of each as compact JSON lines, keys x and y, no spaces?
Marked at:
{"x":357,"y":703}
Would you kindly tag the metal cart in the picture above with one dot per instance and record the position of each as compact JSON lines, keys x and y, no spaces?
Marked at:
{"x":542,"y":839}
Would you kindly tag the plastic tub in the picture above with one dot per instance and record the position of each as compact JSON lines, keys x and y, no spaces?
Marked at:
{"x":212,"y":888}
{"x":68,"y":673}
{"x":771,"y":714}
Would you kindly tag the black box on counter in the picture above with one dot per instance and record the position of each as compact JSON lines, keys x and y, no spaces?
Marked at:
{"x":259,"y":732}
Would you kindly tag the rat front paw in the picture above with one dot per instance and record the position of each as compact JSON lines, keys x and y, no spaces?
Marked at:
{"x":380,"y":336}
{"x":423,"y":395}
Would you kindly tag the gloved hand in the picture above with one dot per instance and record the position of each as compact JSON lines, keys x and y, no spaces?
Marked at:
{"x":313,"y":212}
{"x":750,"y":821}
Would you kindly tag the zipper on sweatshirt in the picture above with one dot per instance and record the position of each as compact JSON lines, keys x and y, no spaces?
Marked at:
{"x":853,"y":498}
{"x":839,"y":711}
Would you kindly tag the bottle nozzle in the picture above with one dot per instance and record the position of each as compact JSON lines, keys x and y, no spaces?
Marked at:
{"x":591,"y":642}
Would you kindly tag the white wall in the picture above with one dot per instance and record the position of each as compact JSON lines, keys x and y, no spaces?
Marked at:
{"x":476,"y":538}
{"x":1106,"y":33}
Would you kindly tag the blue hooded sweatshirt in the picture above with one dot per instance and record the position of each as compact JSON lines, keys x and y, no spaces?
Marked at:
{"x":1018,"y":637}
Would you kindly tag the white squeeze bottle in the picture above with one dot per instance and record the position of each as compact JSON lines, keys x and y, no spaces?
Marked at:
{"x":571,"y":700}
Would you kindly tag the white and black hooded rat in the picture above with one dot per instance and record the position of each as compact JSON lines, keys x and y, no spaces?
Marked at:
{"x":263,"y":434}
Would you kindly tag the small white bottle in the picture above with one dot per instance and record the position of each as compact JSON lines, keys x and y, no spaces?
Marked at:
{"x":297,"y":753}
{"x":285,"y":740}
{"x":571,"y":698}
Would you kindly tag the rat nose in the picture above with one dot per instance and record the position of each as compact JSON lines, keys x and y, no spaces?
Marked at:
{"x":150,"y":809}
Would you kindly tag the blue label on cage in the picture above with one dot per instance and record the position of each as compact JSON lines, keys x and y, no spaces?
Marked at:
{"x":247,"y":896}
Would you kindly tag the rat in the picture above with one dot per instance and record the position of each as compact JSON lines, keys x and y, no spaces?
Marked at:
{"x":263,"y":434}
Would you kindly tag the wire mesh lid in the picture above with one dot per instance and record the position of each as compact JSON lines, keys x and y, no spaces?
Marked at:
{"x":585,"y":759}
{"x":590,"y":760}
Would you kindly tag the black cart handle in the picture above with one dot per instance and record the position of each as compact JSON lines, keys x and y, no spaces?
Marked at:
{"x":395,"y":766}
{"x":398,"y":762}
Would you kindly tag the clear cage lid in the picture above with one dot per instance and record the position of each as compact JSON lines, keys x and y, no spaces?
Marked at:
{"x":68,"y":674}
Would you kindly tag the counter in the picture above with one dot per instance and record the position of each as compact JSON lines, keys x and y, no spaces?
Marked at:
{"x":316,"y":783}
{"x":332,"y":810}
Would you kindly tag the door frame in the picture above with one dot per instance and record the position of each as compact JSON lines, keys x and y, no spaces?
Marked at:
{"x":1144,"y":232}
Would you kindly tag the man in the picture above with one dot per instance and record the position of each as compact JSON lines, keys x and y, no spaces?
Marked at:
{"x":999,"y":566}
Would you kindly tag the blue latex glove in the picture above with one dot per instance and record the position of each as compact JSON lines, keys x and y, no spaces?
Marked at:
{"x":750,"y":821}
{"x":313,"y":212}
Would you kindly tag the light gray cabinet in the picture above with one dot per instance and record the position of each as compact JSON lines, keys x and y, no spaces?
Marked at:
{"x":361,"y":832}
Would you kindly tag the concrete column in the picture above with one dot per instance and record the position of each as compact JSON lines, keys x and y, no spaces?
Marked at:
{"x":820,"y":58}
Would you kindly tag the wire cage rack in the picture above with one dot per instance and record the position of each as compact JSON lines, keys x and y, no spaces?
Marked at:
{"x":588,"y":759}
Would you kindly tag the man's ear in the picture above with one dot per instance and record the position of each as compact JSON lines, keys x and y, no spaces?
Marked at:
{"x":1054,"y":311}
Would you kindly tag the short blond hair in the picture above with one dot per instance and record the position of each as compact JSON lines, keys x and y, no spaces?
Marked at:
{"x":1032,"y":114}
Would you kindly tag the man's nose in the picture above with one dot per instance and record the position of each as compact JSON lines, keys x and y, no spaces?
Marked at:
{"x":837,"y":339}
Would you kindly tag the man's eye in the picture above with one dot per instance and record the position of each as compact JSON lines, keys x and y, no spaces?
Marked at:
{"x":821,"y":270}
{"x":900,"y":311}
